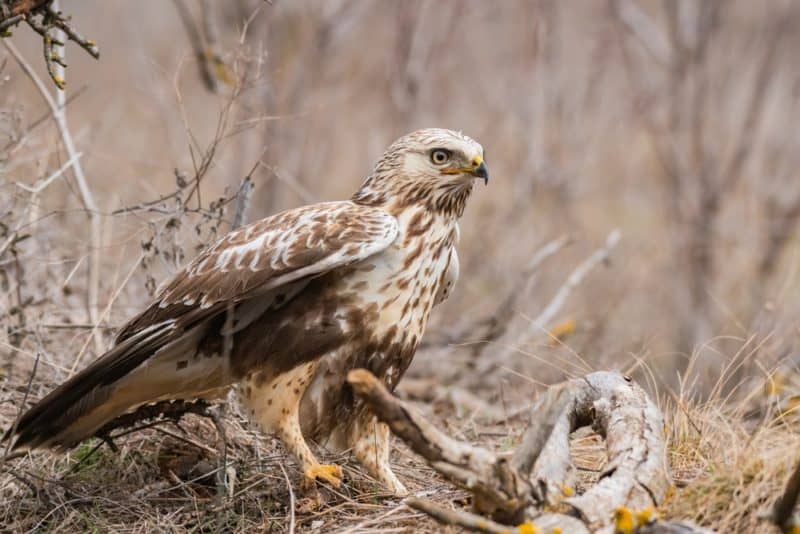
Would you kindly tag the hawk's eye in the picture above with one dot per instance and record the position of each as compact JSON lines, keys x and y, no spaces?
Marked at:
{"x":440,"y":156}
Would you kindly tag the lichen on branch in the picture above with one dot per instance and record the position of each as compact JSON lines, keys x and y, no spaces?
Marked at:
{"x":42,"y":18}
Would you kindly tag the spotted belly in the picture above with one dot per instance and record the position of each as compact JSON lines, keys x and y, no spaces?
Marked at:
{"x":329,"y":414}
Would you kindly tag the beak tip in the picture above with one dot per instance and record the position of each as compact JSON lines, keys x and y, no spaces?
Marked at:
{"x":482,"y":172}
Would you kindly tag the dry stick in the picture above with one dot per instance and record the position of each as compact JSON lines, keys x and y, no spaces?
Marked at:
{"x":577,"y":276}
{"x":497,"y":489}
{"x":291,"y":498}
{"x":59,"y":114}
{"x":457,"y":518}
{"x":545,"y":524}
{"x":196,"y":41}
{"x":86,"y":195}
{"x":429,"y":390}
{"x":616,"y":407}
{"x":42,"y":185}
{"x":243,"y":201}
{"x":495,"y":324}
{"x":97,"y":324}
{"x":557,"y":302}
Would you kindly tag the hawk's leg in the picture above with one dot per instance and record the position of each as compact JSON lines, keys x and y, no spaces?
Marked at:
{"x":370,"y":445}
{"x":274,"y":404}
{"x":292,"y":438}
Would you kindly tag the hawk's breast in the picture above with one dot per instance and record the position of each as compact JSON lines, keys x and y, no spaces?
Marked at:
{"x":392,"y":293}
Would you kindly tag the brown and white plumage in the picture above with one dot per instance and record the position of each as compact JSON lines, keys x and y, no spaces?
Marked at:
{"x":292,"y":301}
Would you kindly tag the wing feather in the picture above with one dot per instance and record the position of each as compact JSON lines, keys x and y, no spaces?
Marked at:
{"x":270,"y":253}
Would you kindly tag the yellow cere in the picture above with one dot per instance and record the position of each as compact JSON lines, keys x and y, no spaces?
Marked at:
{"x":477,"y":160}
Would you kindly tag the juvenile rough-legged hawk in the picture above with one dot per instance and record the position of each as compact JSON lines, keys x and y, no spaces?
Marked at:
{"x":285,"y":307}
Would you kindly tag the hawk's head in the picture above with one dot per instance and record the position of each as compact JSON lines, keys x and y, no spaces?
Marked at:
{"x":434,"y":167}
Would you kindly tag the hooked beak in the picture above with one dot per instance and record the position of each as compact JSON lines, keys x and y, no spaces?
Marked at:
{"x":478,"y":170}
{"x":481,"y":171}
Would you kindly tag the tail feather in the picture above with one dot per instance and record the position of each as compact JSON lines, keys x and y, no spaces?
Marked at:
{"x":148,"y":366}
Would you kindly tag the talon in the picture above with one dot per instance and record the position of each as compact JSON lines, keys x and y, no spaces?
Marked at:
{"x":331,"y":474}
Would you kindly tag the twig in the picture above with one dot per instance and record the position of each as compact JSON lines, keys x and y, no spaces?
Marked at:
{"x":458,"y":518}
{"x":196,"y":40}
{"x":574,"y":279}
{"x":224,"y":484}
{"x":44,"y":17}
{"x":429,"y":390}
{"x":291,"y":498}
{"x":494,"y":325}
{"x":39,"y":187}
{"x":59,"y":114}
{"x":242,"y":201}
{"x":10,"y":21}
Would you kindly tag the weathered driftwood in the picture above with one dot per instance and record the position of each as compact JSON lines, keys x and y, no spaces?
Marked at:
{"x":535,"y":481}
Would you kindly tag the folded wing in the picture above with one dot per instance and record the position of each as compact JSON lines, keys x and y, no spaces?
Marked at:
{"x":249,"y":264}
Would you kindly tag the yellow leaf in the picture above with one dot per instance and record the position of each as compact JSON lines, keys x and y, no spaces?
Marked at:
{"x":645,"y":516}
{"x":562,"y":330}
{"x":623,"y":521}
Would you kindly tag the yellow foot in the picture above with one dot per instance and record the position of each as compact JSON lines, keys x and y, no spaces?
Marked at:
{"x":332,"y":474}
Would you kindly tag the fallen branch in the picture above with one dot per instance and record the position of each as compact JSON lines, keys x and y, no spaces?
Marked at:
{"x":525,"y":489}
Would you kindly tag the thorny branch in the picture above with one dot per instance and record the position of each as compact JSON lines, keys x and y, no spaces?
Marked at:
{"x":44,"y":19}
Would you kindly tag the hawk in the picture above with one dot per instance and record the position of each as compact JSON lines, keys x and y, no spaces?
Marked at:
{"x":285,"y":307}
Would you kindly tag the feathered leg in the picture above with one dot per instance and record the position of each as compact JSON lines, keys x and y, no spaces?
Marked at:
{"x":371,"y":446}
{"x":274,"y":406}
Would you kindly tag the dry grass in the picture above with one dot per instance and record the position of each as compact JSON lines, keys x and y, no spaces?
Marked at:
{"x":728,"y":469}
{"x":586,"y":132}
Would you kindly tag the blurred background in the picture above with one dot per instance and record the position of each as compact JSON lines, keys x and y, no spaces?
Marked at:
{"x":672,"y":123}
{"x":642,"y":216}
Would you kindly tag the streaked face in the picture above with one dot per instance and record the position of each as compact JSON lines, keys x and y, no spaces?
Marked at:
{"x":433,"y":167}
